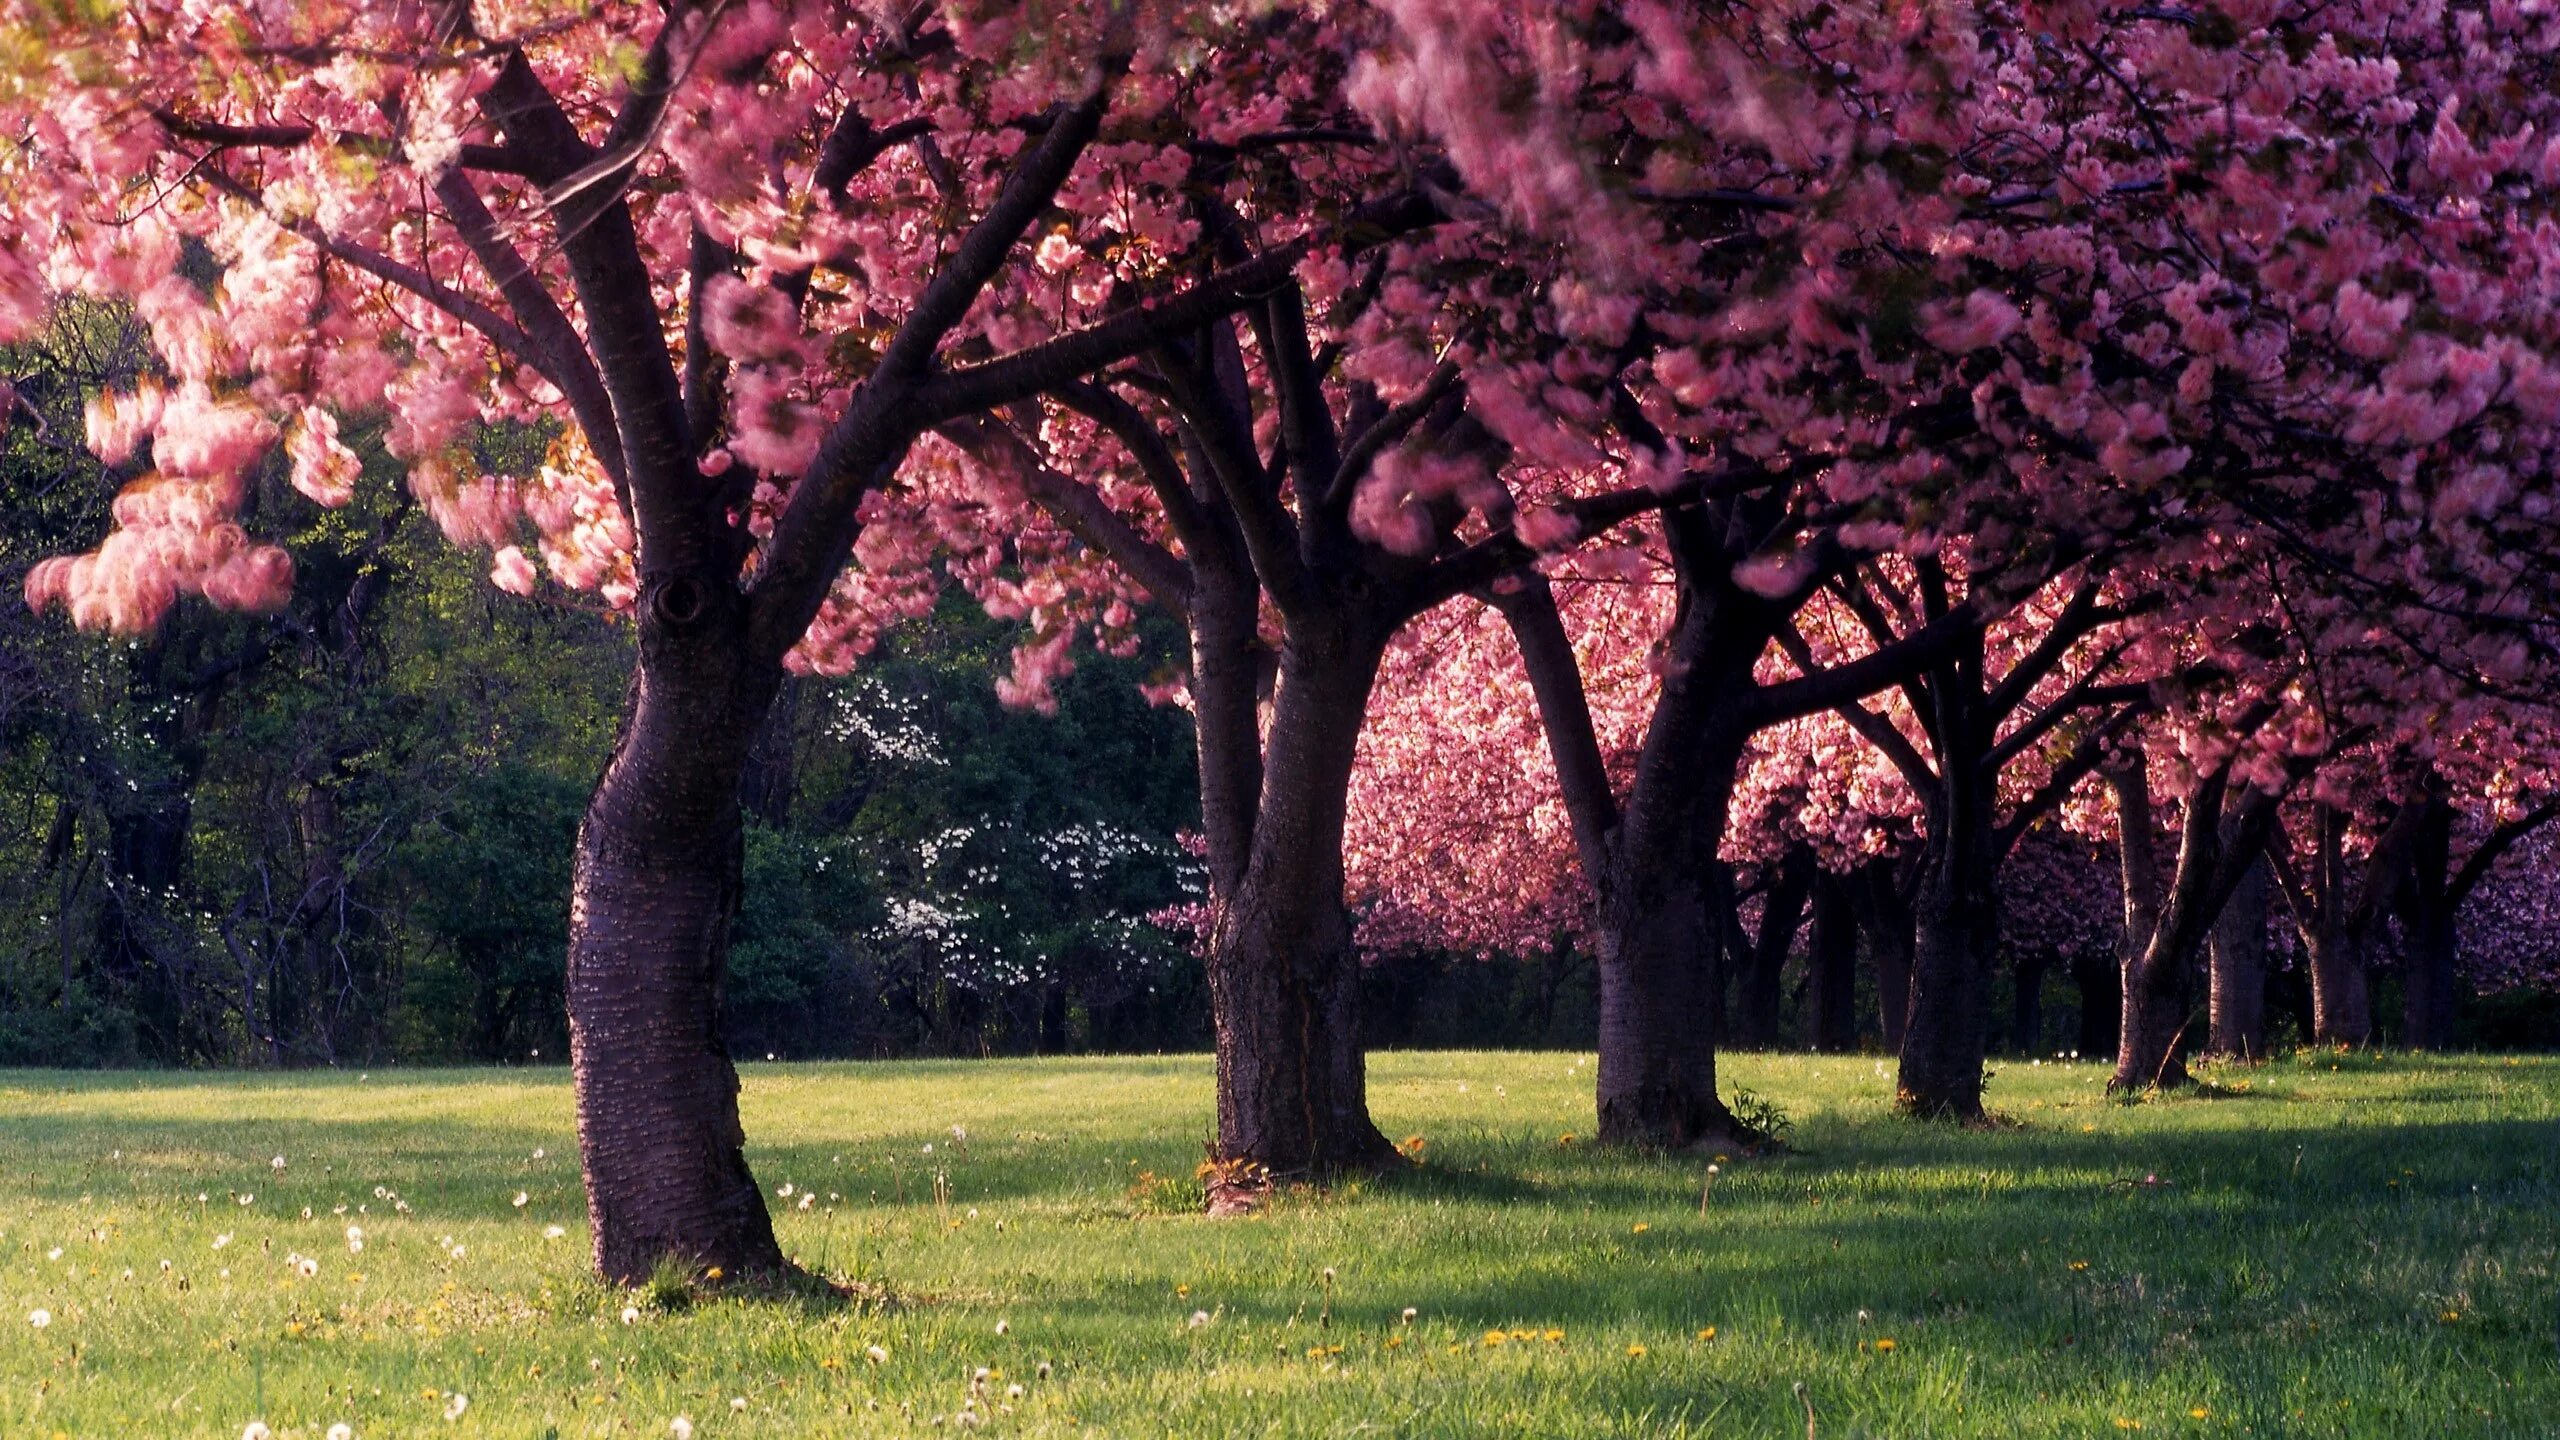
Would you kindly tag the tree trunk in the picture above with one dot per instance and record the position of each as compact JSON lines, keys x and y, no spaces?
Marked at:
{"x":1955,"y":929}
{"x":2237,"y":956}
{"x":2151,"y":966}
{"x":1283,"y":976}
{"x":2429,"y":983}
{"x":2429,"y":986}
{"x":657,"y":882}
{"x":1654,"y":929}
{"x":2151,"y":1028}
{"x":1831,"y":978}
{"x":2341,"y":995}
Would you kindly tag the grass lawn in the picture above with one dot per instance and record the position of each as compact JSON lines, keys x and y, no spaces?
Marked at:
{"x":2333,"y":1246}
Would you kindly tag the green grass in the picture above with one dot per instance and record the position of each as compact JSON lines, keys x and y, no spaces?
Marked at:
{"x":2336,"y":1246}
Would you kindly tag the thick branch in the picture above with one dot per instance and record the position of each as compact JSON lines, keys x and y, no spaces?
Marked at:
{"x":2500,"y":841}
{"x":982,"y":251}
{"x":1835,"y":685}
{"x":1078,"y":507}
{"x":572,"y":368}
{"x":1564,"y":710}
{"x":1054,"y":362}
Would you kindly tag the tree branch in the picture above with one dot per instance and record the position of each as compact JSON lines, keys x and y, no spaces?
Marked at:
{"x":997,"y":445}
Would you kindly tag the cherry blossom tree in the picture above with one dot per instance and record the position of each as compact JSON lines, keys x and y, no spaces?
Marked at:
{"x":733,"y":260}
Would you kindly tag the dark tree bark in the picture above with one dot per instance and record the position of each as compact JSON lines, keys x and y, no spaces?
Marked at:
{"x":2167,"y":920}
{"x":1657,"y":1080}
{"x":2341,"y":988}
{"x":1955,"y":766}
{"x":656,"y":885}
{"x":1831,"y":970}
{"x":1654,"y":924}
{"x":659,"y":854}
{"x":2338,"y":902}
{"x":1955,"y":916}
{"x":2237,"y":963}
{"x":1283,"y":976}
{"x":2152,"y":1012}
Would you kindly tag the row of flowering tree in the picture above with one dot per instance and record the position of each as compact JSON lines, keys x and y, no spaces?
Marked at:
{"x":1991,"y":397}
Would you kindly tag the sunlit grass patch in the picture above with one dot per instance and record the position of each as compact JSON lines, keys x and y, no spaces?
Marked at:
{"x":2360,"y":1250}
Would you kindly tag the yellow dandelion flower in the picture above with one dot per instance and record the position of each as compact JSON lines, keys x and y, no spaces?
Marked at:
{"x":1885,"y":1345}
{"x":2079,"y":1265}
{"x":1555,"y":1337}
{"x":1707,"y":1334}
{"x":1642,"y":1226}
{"x":1635,"y":1352}
{"x":1493,"y":1338}
{"x":2124,"y":1424}
{"x":2451,"y":1316}
{"x":1394,"y":1341}
{"x":2200,"y":1413}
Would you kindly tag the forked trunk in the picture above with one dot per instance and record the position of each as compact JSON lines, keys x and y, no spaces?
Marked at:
{"x":657,"y":882}
{"x":1283,"y":976}
{"x":1657,"y":926}
{"x":2237,"y":962}
{"x":2152,"y":1027}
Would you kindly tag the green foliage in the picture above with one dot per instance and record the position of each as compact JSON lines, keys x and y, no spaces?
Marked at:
{"x":491,"y":921}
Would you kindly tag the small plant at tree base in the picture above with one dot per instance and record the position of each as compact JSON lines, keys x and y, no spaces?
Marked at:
{"x":669,"y":1287}
{"x":1154,"y":1194}
{"x":1763,"y":1115}
{"x":1234,"y":1186}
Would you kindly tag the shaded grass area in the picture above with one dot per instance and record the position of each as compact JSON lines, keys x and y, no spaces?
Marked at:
{"x":2328,"y":1245}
